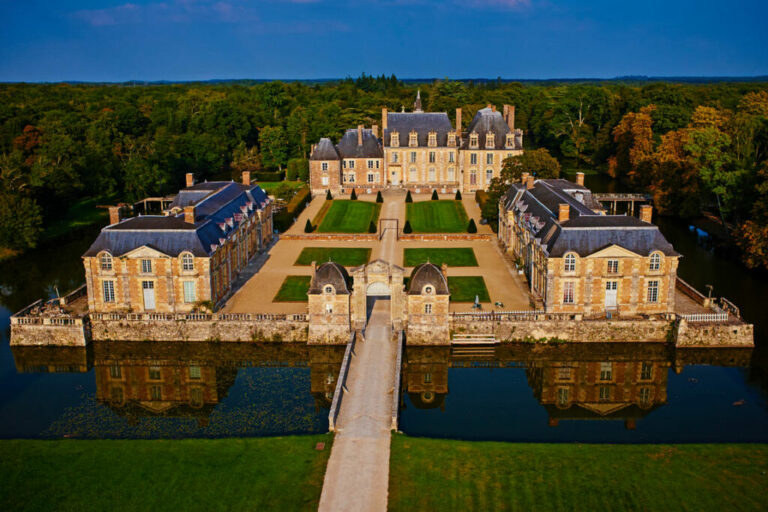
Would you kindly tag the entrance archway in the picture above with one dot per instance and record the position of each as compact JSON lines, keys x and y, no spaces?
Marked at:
{"x":378,"y":289}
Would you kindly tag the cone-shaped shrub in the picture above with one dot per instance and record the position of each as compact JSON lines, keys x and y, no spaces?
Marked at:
{"x":458,"y":195}
{"x":328,"y":195}
{"x":353,"y":197}
{"x":407,"y":227}
{"x":308,"y":228}
{"x":434,"y":195}
{"x":371,"y":227}
{"x":408,"y":198}
{"x":379,"y":199}
{"x":472,"y":228}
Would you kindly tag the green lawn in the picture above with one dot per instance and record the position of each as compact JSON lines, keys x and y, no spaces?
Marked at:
{"x":270,"y":186}
{"x":293,"y":289}
{"x":444,"y":216}
{"x":346,"y":216}
{"x":434,"y":474}
{"x":464,"y":288}
{"x":347,"y":256}
{"x":277,"y":473}
{"x":453,"y":257}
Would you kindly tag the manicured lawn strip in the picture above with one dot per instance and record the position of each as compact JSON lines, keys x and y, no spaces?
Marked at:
{"x":346,"y":216}
{"x":453,"y":257}
{"x":269,"y":186}
{"x":320,"y":215}
{"x":435,"y":474}
{"x":293,"y":289}
{"x":347,"y":256}
{"x":277,"y":473}
{"x":444,"y":216}
{"x":464,"y":288}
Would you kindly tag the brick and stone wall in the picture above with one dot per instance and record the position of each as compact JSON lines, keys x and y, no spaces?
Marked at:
{"x":203,"y":330}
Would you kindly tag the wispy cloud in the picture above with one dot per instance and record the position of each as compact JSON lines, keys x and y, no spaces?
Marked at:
{"x":176,"y":11}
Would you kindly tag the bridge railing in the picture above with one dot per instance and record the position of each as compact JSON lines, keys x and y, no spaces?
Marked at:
{"x":705,"y":317}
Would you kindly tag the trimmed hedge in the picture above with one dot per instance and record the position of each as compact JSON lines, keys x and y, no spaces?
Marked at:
{"x":297,"y":169}
{"x":472,"y":228}
{"x":295,"y":206}
{"x":269,"y":176}
{"x":458,"y":195}
{"x":481,"y":197}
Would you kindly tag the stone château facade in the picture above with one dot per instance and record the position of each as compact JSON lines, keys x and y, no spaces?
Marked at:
{"x":579,"y":260}
{"x":191,"y":254}
{"x":417,"y":150}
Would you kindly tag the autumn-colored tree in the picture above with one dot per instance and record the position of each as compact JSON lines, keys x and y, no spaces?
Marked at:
{"x":634,"y":140}
{"x":675,"y":185}
{"x":752,"y":235}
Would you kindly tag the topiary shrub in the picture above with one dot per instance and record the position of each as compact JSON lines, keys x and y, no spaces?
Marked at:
{"x":472,"y":228}
{"x":408,"y":198}
{"x":371,"y":227}
{"x":435,"y":197}
{"x":458,"y":195}
{"x":328,"y":195}
{"x":308,"y":228}
{"x":353,"y":197}
{"x":407,"y":228}
{"x":379,"y":199}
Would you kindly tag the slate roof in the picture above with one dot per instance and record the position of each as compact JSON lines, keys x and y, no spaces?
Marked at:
{"x":223,"y":203}
{"x":424,"y":274}
{"x":585,"y":232}
{"x":422,"y":122}
{"x":331,"y":273}
{"x":325,"y":150}
{"x":348,"y":148}
{"x":487,"y":120}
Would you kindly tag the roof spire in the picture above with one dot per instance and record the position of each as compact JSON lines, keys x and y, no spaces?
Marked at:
{"x":417,"y":103}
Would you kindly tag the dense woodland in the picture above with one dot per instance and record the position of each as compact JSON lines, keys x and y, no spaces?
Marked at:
{"x":694,"y":147}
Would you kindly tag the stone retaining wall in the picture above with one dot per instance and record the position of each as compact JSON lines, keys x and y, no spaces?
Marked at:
{"x":206,"y":330}
{"x":74,"y":335}
{"x":689,"y":334}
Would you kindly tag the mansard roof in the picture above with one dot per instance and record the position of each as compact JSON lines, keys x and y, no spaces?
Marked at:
{"x":487,"y":120}
{"x":424,"y":274}
{"x":585,"y":232}
{"x":325,"y":150}
{"x":421,"y":122}
{"x":217,"y":205}
{"x":330,"y":273}
{"x":348,"y":147}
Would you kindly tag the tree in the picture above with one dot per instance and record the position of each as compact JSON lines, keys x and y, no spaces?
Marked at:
{"x":371,"y":227}
{"x":407,"y":228}
{"x":328,"y":195}
{"x":408,"y":198}
{"x":634,"y":139}
{"x":273,"y":146}
{"x":308,"y":228}
{"x":537,"y":162}
{"x":379,"y":198}
{"x":353,"y":196}
{"x":245,"y":159}
{"x":435,"y":197}
{"x":20,"y":221}
{"x":458,"y":195}
{"x":472,"y":228}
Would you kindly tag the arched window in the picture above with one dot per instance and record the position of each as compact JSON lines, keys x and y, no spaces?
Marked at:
{"x":187,"y":262}
{"x":428,"y":289}
{"x":106,"y":261}
{"x":655,"y":261}
{"x":328,"y":289}
{"x":570,"y":263}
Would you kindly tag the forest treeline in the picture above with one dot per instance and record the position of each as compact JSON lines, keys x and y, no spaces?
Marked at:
{"x":693,"y":146}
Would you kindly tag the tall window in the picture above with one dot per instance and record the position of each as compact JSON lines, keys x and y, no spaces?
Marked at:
{"x":370,"y":164}
{"x":613,"y":266}
{"x":413,"y":175}
{"x":351,"y":178}
{"x":490,"y":140}
{"x":605,"y":393}
{"x":488,"y":176}
{"x":433,"y":139}
{"x":189,"y":292}
{"x":187,"y":262}
{"x":570,"y":263}
{"x":413,"y":157}
{"x":116,"y":371}
{"x":155,"y":373}
{"x":413,"y":140}
{"x":510,"y":142}
{"x":562,"y":396}
{"x":568,"y":287}
{"x":196,"y":397}
{"x":646,"y":371}
{"x":324,"y":166}
{"x":451,"y":173}
{"x":428,"y":308}
{"x":195,"y":372}
{"x":473,"y":158}
{"x":394,"y":141}
{"x":394,"y":157}
{"x":473,"y":177}
{"x":473,"y":140}
{"x":606,"y":371}
{"x":109,"y":291}
{"x":451,"y":157}
{"x":156,"y":392}
{"x":146,"y":266}
{"x":431,"y":157}
{"x":106,"y":261}
{"x":655,"y":261}
{"x":428,"y":378}
{"x":351,"y":164}
{"x":653,"y":291}
{"x":371,"y":177}
{"x":452,"y":139}
{"x":432,"y":175}
{"x":489,"y":158}
{"x":645,"y":395}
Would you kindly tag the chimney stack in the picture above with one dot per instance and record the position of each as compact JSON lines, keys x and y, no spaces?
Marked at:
{"x":510,"y":117}
{"x":115,"y":214}
{"x":375,"y":130}
{"x":458,"y":122}
{"x":646,"y":213}
{"x":563,"y":212}
{"x":189,"y":214}
{"x":525,"y":177}
{"x":529,"y":183}
{"x":580,"y":178}
{"x":190,"y":179}
{"x":383,"y":120}
{"x":359,"y":135}
{"x":246,"y":176}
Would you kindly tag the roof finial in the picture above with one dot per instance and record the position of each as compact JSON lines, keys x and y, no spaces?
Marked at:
{"x":417,"y":103}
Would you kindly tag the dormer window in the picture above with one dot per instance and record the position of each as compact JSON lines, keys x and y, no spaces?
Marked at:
{"x":394,"y":140}
{"x":328,"y":289}
{"x":413,"y":140}
{"x":473,"y":140}
{"x":106,"y":261}
{"x":510,"y":142}
{"x":432,"y":139}
{"x":452,"y":139}
{"x":490,"y":140}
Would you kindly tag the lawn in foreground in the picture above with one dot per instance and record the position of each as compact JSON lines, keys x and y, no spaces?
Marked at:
{"x":347,"y":256}
{"x":269,"y":473}
{"x":451,"y":256}
{"x":293,"y":289}
{"x":465,"y":288}
{"x":347,"y":216}
{"x":435,"y":474}
{"x":444,"y":216}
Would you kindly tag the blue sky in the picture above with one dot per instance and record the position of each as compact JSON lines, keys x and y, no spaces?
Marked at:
{"x":207,"y":39}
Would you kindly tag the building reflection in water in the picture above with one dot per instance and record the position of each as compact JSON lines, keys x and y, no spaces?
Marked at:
{"x":572,"y":381}
{"x":177,"y":379}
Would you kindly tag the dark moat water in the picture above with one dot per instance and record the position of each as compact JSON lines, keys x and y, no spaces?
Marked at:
{"x":615,"y":392}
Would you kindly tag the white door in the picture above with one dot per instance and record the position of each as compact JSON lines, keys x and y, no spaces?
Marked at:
{"x":149,"y":294}
{"x":611,"y":288}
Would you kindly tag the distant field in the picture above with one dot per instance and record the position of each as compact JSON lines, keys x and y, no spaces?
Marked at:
{"x":453,"y":257}
{"x":465,"y":288}
{"x":347,"y":256}
{"x":293,"y":289}
{"x":266,"y":473}
{"x":444,"y":216}
{"x":437,"y":474}
{"x":346,"y":216}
